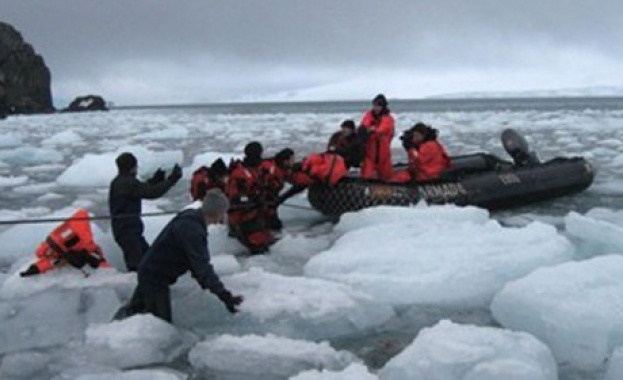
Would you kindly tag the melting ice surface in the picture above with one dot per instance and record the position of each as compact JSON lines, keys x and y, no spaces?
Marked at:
{"x":533,"y":293}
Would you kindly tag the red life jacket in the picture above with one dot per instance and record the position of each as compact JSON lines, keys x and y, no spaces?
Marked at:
{"x":201,"y":182}
{"x":71,"y":242}
{"x":243,"y":186}
{"x":430,"y":160}
{"x":328,"y":168}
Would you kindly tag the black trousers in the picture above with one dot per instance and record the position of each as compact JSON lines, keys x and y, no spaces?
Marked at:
{"x":148,"y":299}
{"x":134,"y":249}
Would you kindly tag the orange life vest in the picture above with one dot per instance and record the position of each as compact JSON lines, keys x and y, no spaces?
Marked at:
{"x":325,"y":167}
{"x":71,"y":242}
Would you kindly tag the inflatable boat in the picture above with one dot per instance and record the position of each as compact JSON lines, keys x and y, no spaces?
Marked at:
{"x":479,"y":179}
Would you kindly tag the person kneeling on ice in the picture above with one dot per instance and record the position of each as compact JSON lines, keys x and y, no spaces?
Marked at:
{"x":70,"y":243}
{"x":427,"y":157}
{"x":181,"y":246}
{"x":274,"y":173}
{"x":247,"y":219}
{"x":206,"y":178}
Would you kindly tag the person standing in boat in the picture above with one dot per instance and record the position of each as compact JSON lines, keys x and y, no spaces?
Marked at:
{"x":347,"y":143}
{"x":125,"y":204}
{"x":427,"y":157}
{"x":377,"y":126}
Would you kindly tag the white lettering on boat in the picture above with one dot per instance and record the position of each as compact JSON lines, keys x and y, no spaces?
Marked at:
{"x":509,"y":178}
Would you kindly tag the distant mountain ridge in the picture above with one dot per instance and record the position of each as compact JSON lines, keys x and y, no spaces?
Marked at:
{"x":596,"y":91}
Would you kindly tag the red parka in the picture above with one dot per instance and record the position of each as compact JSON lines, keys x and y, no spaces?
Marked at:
{"x":377,"y":155}
{"x":325,"y":167}
{"x":71,"y":242}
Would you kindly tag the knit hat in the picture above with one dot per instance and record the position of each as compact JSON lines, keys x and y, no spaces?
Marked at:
{"x":380,"y":99}
{"x":348,"y":124}
{"x":126,"y":162}
{"x":421,"y":128}
{"x":253,"y":150}
{"x":284,"y":155}
{"x":215,"y":202}
{"x":218,"y":168}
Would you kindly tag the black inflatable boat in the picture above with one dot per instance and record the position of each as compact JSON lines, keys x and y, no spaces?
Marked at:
{"x":480,"y":179}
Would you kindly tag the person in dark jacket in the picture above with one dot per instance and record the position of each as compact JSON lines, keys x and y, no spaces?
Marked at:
{"x":124,"y":202}
{"x":347,"y":143}
{"x":181,"y":246}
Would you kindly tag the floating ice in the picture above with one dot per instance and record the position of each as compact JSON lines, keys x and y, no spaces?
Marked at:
{"x":100,"y":169}
{"x":29,"y":155}
{"x":10,"y":140}
{"x":24,"y":365}
{"x":449,"y":351}
{"x":206,"y":159}
{"x":575,"y":308}
{"x":12,"y":181}
{"x":600,"y":231}
{"x":136,"y":341}
{"x":444,"y":256}
{"x":296,"y":307}
{"x":53,"y":317}
{"x":171,"y":133}
{"x":64,"y":138}
{"x":354,"y":371}
{"x":137,"y":374}
{"x":265,"y":356}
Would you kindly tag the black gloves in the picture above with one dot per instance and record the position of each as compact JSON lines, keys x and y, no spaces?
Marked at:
{"x":157,"y":177}
{"x":230,"y":301}
{"x":32,"y":270}
{"x":175,"y":175}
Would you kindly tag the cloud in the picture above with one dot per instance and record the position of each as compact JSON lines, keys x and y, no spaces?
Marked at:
{"x":157,"y":51}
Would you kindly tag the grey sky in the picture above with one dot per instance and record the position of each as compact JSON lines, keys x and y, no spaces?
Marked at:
{"x":157,"y":51}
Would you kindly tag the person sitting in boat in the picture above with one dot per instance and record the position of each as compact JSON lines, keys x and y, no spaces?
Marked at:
{"x":427,"y":157}
{"x":246,"y":218}
{"x":70,"y":243}
{"x":274,"y":173}
{"x":347,"y":143}
{"x":207,"y":178}
{"x":377,"y":128}
{"x":327,"y":168}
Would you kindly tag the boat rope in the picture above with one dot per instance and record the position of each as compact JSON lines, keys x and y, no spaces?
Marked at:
{"x":120,"y":216}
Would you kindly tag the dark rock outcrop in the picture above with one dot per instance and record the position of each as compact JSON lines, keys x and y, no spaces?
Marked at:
{"x":24,"y":77}
{"x":87,"y":103}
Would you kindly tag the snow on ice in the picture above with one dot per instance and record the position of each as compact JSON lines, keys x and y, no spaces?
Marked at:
{"x":266,"y":356}
{"x":575,"y":308}
{"x":435,"y":256}
{"x":350,"y":284}
{"x":449,"y":351}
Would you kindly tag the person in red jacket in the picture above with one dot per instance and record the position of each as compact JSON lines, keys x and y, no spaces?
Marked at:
{"x":274,"y":173}
{"x":246,"y":217}
{"x":207,"y":178}
{"x":427,"y":157}
{"x":378,"y":125}
{"x":70,"y":243}
{"x":328,"y":168}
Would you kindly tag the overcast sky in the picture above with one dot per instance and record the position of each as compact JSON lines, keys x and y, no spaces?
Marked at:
{"x":136,"y":52}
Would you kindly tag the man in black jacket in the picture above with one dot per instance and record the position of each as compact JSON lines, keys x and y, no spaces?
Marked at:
{"x":181,"y":246}
{"x":124,"y":201}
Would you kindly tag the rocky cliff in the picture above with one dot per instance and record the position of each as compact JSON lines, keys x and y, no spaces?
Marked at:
{"x":24,"y":77}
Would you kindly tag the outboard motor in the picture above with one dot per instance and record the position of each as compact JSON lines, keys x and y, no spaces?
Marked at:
{"x":517,"y":147}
